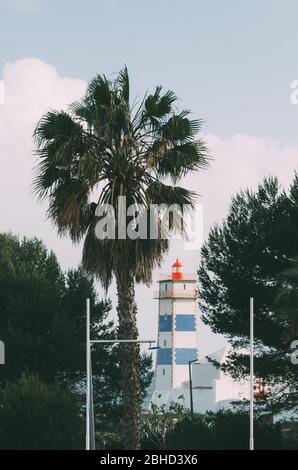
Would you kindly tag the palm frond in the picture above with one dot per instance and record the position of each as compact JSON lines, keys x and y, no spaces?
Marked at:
{"x":159,"y":105}
{"x":179,"y":128}
{"x":123,"y":82}
{"x":181,"y":159}
{"x":160,"y":193}
{"x":100,"y":92}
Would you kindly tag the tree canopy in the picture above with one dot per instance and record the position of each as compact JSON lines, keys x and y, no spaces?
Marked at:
{"x":254,"y":254}
{"x":43,"y":324}
{"x":35,"y":415}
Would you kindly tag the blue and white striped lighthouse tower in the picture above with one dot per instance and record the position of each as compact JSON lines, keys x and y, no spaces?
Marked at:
{"x":177,"y":329}
{"x":178,"y":336}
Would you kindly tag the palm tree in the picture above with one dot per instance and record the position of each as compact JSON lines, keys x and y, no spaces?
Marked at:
{"x":103,"y":148}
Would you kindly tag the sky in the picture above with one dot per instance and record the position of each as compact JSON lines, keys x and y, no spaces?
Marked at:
{"x":232,"y":63}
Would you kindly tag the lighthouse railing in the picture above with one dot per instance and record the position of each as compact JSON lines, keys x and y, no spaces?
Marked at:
{"x":186,"y":277}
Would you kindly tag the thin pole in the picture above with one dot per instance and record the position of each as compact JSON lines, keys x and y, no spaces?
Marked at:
{"x":88,"y":370}
{"x":112,"y":341}
{"x":251,"y":434}
{"x":92,"y":425}
{"x":190,"y":389}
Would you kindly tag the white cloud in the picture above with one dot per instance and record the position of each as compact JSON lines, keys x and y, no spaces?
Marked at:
{"x":31,"y":88}
{"x":2,"y":92}
{"x":240,"y":161}
{"x":28,"y":6}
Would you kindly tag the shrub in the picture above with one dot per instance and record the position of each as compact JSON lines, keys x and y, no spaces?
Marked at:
{"x":35,"y":415}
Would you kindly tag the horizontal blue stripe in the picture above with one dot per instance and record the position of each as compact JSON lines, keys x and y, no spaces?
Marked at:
{"x":165,"y":322}
{"x":185,"y":323}
{"x":164,"y":356}
{"x":184,"y":355}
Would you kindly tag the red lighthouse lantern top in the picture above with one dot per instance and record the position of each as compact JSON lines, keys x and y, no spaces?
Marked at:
{"x":177,"y":270}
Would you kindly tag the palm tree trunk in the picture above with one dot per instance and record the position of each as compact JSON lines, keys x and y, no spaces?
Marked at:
{"x":130,"y":358}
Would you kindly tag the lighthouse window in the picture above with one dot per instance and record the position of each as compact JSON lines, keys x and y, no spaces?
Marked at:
{"x":166,"y":287}
{"x":163,"y":371}
{"x":184,"y":286}
{"x":165,"y":342}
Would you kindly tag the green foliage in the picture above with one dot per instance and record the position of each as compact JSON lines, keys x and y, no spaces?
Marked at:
{"x":110,"y":441}
{"x":42,"y":312}
{"x":43,"y":325}
{"x":253,"y":254}
{"x":223,"y":431}
{"x":192,"y":434}
{"x":290,"y":433}
{"x":107,"y":387}
{"x":38,"y":416}
{"x":286,"y":303}
{"x":158,"y":423}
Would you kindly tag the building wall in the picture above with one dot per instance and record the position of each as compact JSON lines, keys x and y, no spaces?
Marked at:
{"x":181,"y":287}
{"x":165,"y":339}
{"x":180,"y":341}
{"x":184,"y":306}
{"x":185,"y":333}
{"x":204,"y":374}
{"x":164,"y":358}
{"x":165,"y":306}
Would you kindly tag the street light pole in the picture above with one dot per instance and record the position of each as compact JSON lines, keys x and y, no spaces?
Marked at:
{"x":90,"y":436}
{"x":251,"y":414}
{"x":88,"y":374}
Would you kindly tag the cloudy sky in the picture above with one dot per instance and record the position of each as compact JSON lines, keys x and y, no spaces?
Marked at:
{"x":232,"y":63}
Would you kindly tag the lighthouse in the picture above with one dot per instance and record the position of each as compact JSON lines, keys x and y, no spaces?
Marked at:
{"x":178,"y":352}
{"x":177,"y":328}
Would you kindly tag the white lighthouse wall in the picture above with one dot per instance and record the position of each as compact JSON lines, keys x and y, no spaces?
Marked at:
{"x":165,"y":285}
{"x":185,"y":339}
{"x":165,"y":307}
{"x":165,"y":339}
{"x":183,"y":288}
{"x":184,"y":306}
{"x":163,"y":377}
